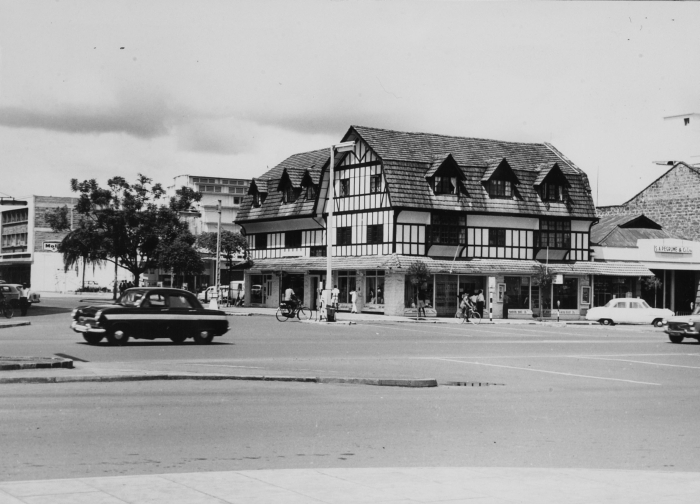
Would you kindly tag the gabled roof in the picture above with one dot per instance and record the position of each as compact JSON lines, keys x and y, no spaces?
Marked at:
{"x":499,"y":168}
{"x":625,"y":230}
{"x":442,"y":163}
{"x":545,"y":169}
{"x":294,"y":168}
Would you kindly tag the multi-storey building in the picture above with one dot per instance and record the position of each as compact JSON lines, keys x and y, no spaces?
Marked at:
{"x":29,"y":249}
{"x":481,"y":214}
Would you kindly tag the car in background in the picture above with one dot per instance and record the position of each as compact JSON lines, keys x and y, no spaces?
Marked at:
{"x":629,"y":311}
{"x":208,"y":293}
{"x":11,"y":293}
{"x":150,"y":313}
{"x":684,"y":326}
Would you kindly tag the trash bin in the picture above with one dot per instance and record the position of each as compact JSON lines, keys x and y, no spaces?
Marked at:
{"x":330,"y":314}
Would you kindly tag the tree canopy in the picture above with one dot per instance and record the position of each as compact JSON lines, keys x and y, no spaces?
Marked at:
{"x":125,"y":224}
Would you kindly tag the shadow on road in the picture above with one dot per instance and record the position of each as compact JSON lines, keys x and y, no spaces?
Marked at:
{"x":145,"y":343}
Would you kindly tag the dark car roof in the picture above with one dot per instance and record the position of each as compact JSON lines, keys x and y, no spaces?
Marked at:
{"x":168,"y":290}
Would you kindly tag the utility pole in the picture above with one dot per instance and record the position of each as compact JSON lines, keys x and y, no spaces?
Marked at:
{"x":214,"y":300}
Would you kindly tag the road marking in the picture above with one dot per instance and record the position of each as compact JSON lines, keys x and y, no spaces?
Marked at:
{"x":225,"y":365}
{"x":640,"y":362}
{"x":546,"y":371}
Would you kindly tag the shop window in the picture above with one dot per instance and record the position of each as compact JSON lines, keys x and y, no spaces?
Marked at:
{"x":261,"y":241}
{"x":499,"y":188}
{"x":343,"y":236}
{"x":374,"y":287}
{"x":555,"y":234}
{"x":448,"y":229}
{"x":347,"y":281}
{"x":411,"y":293}
{"x":292,"y":239}
{"x":566,"y":294}
{"x":375,"y":233}
{"x":517,"y":293}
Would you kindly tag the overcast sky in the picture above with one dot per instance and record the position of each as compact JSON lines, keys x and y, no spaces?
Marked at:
{"x":93,"y":89}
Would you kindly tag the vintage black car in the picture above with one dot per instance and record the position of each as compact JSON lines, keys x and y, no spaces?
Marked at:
{"x":150,"y":313}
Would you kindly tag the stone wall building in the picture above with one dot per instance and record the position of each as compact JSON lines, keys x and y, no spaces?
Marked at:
{"x":672,"y":200}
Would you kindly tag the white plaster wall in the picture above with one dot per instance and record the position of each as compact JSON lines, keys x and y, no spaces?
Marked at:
{"x":48,"y":275}
{"x":580,"y":226}
{"x":411,"y":217}
{"x":644,"y":252}
{"x":393,"y":293}
{"x":500,"y":221}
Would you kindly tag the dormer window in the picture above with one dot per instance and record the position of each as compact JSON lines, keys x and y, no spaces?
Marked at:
{"x":310,"y":192}
{"x":553,"y":192}
{"x":551,"y":183}
{"x":256,"y":200}
{"x":289,"y":194}
{"x":445,"y":185}
{"x":500,"y":188}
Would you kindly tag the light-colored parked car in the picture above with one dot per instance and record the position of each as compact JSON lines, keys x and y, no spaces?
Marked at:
{"x":629,"y":311}
{"x":11,"y":293}
{"x":208,"y":293}
{"x":687,"y":326}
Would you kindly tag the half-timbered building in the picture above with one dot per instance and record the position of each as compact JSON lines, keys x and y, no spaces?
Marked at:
{"x":481,"y":214}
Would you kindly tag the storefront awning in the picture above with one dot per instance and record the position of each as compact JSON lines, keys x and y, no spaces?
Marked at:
{"x":457,"y":267}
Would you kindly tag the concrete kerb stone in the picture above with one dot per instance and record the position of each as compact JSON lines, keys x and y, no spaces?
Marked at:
{"x":16,"y":363}
{"x":382,"y":382}
{"x":5,"y":325}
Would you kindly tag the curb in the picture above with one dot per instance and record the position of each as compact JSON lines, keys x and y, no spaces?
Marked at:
{"x":15,"y":363}
{"x":412,"y":383}
{"x":14,"y":324}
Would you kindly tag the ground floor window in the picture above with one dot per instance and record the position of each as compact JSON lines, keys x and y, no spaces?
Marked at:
{"x":517,"y":293}
{"x":566,"y":294}
{"x":256,"y":289}
{"x":347,"y":282}
{"x":412,"y":293}
{"x":374,"y":287}
{"x":606,"y":288}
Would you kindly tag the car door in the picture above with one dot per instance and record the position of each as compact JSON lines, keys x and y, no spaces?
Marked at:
{"x":639,"y":313}
{"x":620,"y":313}
{"x":182,"y":314}
{"x":153,"y":322}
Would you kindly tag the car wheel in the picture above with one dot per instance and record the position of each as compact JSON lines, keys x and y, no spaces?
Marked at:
{"x":203,"y":337}
{"x":675,"y":339}
{"x":92,"y":339}
{"x":178,"y":339}
{"x":658,"y":322}
{"x":119,"y":335}
{"x":607,"y":321}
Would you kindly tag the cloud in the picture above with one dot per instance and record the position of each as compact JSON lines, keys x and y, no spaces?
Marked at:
{"x":216,"y":136}
{"x":138,"y":116}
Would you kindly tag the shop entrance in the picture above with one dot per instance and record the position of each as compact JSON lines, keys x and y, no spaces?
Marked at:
{"x":296,"y":282}
{"x":449,"y":288}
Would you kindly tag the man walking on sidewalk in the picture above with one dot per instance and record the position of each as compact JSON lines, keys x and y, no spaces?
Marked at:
{"x":23,"y":299}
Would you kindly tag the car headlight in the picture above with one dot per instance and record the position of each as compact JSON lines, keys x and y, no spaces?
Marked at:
{"x":98,"y":314}
{"x":74,"y":312}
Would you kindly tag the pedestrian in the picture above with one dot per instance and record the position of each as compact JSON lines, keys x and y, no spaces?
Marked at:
{"x":335,"y":294}
{"x":506,"y":304}
{"x":353,"y":298}
{"x":421,"y":302}
{"x":480,"y":303}
{"x":24,"y":299}
{"x":239,"y":297}
{"x":460,"y":297}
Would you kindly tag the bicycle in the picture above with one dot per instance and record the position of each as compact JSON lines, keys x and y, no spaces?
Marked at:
{"x":6,"y":308}
{"x":287,"y":310}
{"x":472,"y":314}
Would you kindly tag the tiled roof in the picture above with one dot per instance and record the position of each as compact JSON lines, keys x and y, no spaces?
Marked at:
{"x":295,"y":166}
{"x":407,"y":157}
{"x":438,"y":266}
{"x":623,"y":230}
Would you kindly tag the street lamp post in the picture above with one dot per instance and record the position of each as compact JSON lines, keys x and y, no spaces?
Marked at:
{"x":217,"y":277}
{"x":341,"y":147}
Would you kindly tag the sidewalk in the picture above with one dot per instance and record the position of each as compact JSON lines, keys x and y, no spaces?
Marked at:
{"x":392,"y":485}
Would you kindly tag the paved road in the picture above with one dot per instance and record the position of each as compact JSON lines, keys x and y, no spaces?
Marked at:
{"x":590,"y":397}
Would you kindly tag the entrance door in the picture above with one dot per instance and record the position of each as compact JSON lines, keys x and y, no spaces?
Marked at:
{"x":267,"y":291}
{"x":315,"y":280}
{"x":445,"y":295}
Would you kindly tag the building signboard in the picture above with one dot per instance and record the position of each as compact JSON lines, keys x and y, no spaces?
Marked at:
{"x":51,"y":246}
{"x":668,"y":249}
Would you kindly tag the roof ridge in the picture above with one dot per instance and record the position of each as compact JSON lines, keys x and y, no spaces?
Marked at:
{"x":446,"y":136}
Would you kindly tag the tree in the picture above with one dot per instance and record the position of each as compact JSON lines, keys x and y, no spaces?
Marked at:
{"x":418,"y":274}
{"x":652,"y":283}
{"x":232,"y":244}
{"x":125,"y":224}
{"x":544,"y":278}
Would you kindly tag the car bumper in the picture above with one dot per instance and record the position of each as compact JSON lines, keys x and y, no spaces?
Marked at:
{"x":80,"y":328}
{"x":689,"y":332}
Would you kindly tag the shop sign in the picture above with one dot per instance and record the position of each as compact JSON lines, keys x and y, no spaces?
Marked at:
{"x":512,"y":311}
{"x":51,"y":246}
{"x":667,"y":249}
{"x":558,"y":279}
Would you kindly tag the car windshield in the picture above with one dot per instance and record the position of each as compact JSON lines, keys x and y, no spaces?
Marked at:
{"x":131,"y":297}
{"x":610,"y":303}
{"x":645,"y":304}
{"x":696,"y":311}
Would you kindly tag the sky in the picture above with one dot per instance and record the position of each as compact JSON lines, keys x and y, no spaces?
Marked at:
{"x":95,"y":89}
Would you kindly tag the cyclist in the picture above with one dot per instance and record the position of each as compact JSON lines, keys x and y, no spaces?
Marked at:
{"x":290,"y":298}
{"x":466,"y":306}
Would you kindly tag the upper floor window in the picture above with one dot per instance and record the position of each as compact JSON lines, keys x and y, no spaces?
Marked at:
{"x":499,"y":188}
{"x":445,"y":185}
{"x":375,"y":183}
{"x":343,"y":236}
{"x":375,"y":233}
{"x":555,"y":234}
{"x":344,"y":187}
{"x":292,"y":239}
{"x":310,"y":192}
{"x":289,"y":194}
{"x":553,"y":192}
{"x":448,"y":229}
{"x":261,"y":241}
{"x":257,"y":199}
{"x":497,"y":237}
